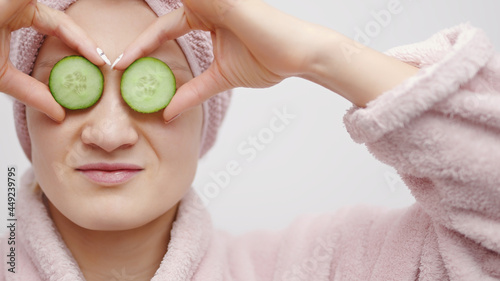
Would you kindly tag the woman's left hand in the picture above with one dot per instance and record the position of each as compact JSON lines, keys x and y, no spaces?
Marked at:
{"x":255,"y":46}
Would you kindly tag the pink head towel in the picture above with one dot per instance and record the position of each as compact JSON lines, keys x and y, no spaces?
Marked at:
{"x":196,"y":45}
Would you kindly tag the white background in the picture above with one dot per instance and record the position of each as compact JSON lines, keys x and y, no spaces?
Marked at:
{"x":312,"y":165}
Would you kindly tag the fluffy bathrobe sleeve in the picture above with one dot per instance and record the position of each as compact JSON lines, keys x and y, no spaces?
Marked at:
{"x":441,"y":131}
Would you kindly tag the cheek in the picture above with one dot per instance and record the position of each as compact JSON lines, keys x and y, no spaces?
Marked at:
{"x":47,"y":148}
{"x":177,"y":147}
{"x":54,"y":153}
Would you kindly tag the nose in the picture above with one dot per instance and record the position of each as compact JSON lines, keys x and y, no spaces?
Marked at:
{"x":110,"y":126}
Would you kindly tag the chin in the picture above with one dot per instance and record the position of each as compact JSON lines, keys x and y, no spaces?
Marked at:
{"x":105,"y":225}
{"x":105,"y":215}
{"x":112,"y":222}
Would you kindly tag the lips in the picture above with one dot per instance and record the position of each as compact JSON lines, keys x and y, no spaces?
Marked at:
{"x":109,"y":173}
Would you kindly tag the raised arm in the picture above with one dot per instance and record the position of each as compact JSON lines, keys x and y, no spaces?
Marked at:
{"x":430,"y":110}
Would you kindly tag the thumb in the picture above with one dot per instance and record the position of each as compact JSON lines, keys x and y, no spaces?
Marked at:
{"x":196,"y":91}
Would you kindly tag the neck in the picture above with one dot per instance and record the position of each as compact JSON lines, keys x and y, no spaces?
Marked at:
{"x":133,"y":254}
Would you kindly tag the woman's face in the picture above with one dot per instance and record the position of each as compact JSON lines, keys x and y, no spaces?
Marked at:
{"x":109,"y":167}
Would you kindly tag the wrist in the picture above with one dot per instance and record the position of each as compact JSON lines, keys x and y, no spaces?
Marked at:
{"x":356,"y":72}
{"x":327,"y":58}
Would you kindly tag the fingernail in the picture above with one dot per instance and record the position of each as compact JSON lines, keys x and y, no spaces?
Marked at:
{"x":103,"y":56}
{"x":172,"y":119}
{"x":116,"y":61}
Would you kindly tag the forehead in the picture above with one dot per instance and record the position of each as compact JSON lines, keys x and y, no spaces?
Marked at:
{"x":113,"y":25}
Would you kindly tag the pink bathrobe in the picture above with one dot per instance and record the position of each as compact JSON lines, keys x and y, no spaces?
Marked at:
{"x":440,"y":129}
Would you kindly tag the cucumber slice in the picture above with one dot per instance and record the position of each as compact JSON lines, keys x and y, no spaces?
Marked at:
{"x":148,"y":85}
{"x":76,"y":83}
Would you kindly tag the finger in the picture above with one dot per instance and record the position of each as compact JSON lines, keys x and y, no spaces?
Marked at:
{"x":167,"y":27}
{"x":195,"y":92}
{"x":56,"y":23}
{"x":31,"y":92}
{"x":16,"y":14}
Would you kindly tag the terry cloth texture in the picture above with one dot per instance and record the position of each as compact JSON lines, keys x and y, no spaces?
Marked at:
{"x":196,"y":45}
{"x":439,"y":129}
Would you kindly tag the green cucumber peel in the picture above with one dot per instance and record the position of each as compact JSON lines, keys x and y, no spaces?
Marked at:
{"x":148,"y":85}
{"x":76,"y":83}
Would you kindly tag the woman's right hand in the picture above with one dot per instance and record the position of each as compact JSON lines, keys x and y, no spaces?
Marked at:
{"x":15,"y":14}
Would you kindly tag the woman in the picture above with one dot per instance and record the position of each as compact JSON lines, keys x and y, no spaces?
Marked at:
{"x":151,"y":226}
